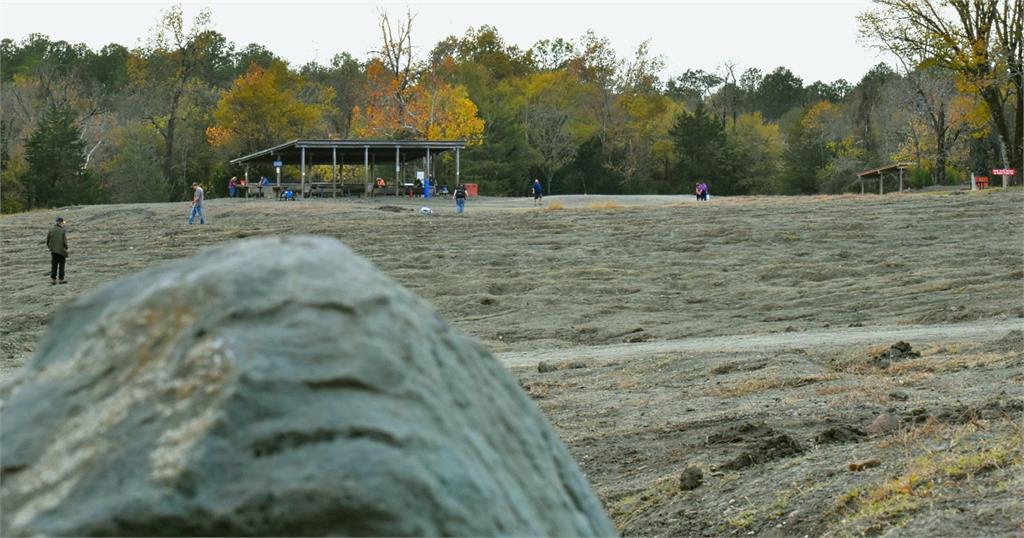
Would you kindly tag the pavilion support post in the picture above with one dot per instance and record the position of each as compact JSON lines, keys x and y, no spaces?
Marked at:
{"x":457,"y":182}
{"x":861,"y":184}
{"x":366,"y":168}
{"x":302,"y":173}
{"x":901,"y":180}
{"x":428,"y":163}
{"x":881,"y":183}
{"x":398,"y":169}
{"x":246,"y":181}
{"x":334,"y":172}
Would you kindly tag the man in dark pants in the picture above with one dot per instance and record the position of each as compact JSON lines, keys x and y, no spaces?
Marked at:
{"x":57,"y":242}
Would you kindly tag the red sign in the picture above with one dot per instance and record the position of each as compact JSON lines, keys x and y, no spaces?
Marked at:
{"x":1004,"y":172}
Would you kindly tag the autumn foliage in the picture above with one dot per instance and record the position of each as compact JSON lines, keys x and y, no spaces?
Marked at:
{"x":263,"y":108}
{"x":429,"y":109}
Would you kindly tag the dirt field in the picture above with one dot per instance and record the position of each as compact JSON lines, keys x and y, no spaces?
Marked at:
{"x":747,"y":338}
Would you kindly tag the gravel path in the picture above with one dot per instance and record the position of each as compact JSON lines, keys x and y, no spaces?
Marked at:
{"x":975,"y":331}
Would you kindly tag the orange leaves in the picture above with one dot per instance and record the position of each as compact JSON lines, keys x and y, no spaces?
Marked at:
{"x":429,"y":109}
{"x":218,"y":136}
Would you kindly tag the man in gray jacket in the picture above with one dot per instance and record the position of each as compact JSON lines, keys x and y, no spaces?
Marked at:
{"x":57,"y":242}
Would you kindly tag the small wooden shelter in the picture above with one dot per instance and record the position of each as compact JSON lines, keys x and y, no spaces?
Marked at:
{"x":880,"y":173}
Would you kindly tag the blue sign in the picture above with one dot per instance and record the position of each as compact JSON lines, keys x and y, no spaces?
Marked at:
{"x":277,"y":164}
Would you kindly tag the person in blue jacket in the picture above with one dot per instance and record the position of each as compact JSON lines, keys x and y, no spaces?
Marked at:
{"x":538,"y":192}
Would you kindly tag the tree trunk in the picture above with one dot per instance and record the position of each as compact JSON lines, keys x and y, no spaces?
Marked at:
{"x":1011,"y":154}
{"x":1017,"y":153}
{"x":168,"y":165}
{"x":940,"y":146}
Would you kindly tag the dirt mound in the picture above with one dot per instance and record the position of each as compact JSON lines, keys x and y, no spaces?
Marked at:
{"x":900,"y":351}
{"x":1013,"y":341}
{"x":840,"y":434}
{"x":760,"y":444}
{"x":765,"y":450}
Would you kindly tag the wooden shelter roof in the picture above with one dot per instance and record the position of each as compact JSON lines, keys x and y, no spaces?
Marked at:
{"x":349,"y":151}
{"x":885,"y":169}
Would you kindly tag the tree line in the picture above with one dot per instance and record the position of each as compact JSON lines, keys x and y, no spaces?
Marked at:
{"x":137,"y":125}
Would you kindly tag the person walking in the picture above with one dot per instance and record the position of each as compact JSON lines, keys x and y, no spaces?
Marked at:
{"x":460,"y":198}
{"x":233,"y":187}
{"x":197,"y":204}
{"x":538,"y":193}
{"x":57,"y":242}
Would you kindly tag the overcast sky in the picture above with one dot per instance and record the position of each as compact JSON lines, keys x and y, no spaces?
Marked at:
{"x":817,"y":40}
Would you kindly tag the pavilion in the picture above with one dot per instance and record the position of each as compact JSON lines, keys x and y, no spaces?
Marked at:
{"x":309,"y":152}
{"x":880,"y":173}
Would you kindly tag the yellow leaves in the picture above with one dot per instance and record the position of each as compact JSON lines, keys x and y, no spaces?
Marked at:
{"x":821,"y":115}
{"x":446,"y":112}
{"x":263,"y":107}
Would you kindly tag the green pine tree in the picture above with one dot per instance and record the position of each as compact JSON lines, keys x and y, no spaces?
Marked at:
{"x":56,"y":162}
{"x":703,"y":152}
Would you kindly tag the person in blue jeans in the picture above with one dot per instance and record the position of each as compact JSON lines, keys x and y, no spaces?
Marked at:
{"x":538,"y":193}
{"x":197,"y":204}
{"x":460,"y":198}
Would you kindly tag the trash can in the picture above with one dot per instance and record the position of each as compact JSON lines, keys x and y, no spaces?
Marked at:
{"x":472,"y":189}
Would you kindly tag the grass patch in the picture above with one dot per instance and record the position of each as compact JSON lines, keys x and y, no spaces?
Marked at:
{"x":628,"y":508}
{"x":939,"y":363}
{"x":771,"y":383}
{"x":927,"y":479}
{"x":610,"y":204}
{"x":744,"y":520}
{"x":555,"y":206}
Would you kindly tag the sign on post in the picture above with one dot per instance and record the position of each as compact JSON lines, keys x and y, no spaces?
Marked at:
{"x":1006,"y":173}
{"x":277,"y":164}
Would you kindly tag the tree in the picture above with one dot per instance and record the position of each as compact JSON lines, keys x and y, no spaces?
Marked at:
{"x":980,"y":40}
{"x":778,"y":92}
{"x":757,"y":153}
{"x":135,"y":164}
{"x":395,"y":58}
{"x":939,"y":105}
{"x":163,"y":74}
{"x":552,"y":54}
{"x":702,"y":150}
{"x":869,"y":107}
{"x":263,"y":107}
{"x":431,"y":109}
{"x":693,"y":86}
{"x":812,"y":145}
{"x":403,"y":102}
{"x":549,"y":135}
{"x":56,"y":164}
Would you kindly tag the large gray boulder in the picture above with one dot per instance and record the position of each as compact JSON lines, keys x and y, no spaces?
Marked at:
{"x":276,"y":387}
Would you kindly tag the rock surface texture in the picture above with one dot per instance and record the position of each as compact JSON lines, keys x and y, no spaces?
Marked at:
{"x":276,"y":387}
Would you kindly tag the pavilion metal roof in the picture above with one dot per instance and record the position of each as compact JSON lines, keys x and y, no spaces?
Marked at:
{"x":349,"y":151}
{"x":885,"y":169}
